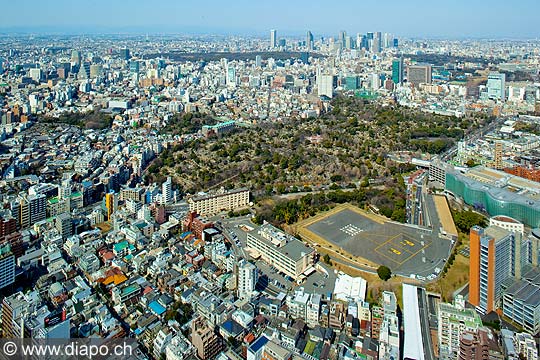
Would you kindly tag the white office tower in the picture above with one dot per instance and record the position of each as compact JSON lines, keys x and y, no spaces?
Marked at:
{"x":247,"y":279}
{"x":36,"y":74}
{"x":231,"y":76}
{"x":375,"y":81}
{"x":273,"y":38}
{"x":166,"y":191}
{"x":325,"y":85}
{"x":309,"y":41}
{"x":496,"y":86}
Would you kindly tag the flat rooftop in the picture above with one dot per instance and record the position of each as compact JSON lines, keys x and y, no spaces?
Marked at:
{"x":445,"y":216}
{"x":502,"y":190}
{"x":496,"y":232}
{"x":205,"y":196}
{"x":502,"y":180}
{"x":285,"y":243}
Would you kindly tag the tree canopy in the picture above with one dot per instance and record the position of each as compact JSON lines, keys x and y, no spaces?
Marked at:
{"x":465,"y":220}
{"x":384,"y":272}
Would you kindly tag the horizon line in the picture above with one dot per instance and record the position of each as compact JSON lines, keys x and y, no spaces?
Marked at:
{"x":155,"y":30}
{"x":255,"y":34}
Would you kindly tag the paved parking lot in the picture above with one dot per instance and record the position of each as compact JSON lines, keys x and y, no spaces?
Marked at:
{"x":403,"y":248}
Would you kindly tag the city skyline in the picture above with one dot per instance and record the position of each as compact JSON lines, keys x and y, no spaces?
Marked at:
{"x":417,"y":18}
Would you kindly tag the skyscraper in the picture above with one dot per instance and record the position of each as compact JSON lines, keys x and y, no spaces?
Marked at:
{"x":364,"y":42}
{"x":352,"y":83}
{"x":231,"y":76}
{"x":309,"y":41}
{"x":341,"y":39}
{"x":397,"y":71}
{"x":76,"y":57}
{"x":124,"y":54}
{"x":375,"y":81}
{"x":377,"y":41}
{"x":493,"y":260}
{"x":84,"y":71}
{"x":36,"y":74}
{"x":96,"y":70}
{"x":496,"y":86}
{"x":359,"y":38}
{"x":134,"y":67}
{"x":387,"y":40}
{"x":348,"y":42}
{"x":304,"y":56}
{"x":369,"y":41}
{"x":273,"y":38}
{"x":325,"y":85}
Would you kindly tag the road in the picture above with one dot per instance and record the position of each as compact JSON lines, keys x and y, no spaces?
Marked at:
{"x":472,"y":137}
{"x":236,"y":236}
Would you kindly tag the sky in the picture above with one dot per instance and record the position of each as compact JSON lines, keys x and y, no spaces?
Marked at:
{"x":407,"y":18}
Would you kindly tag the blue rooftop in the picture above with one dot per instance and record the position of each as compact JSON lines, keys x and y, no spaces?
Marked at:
{"x":259,"y":343}
{"x":120,"y":246}
{"x":156,"y":308}
{"x":232,"y":327}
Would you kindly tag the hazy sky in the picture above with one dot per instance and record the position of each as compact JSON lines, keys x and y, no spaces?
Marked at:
{"x":422,"y":18}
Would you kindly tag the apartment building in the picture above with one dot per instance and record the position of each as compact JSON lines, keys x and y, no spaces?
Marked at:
{"x":223,"y":200}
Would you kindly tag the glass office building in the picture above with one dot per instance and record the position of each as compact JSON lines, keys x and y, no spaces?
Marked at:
{"x":494,"y":200}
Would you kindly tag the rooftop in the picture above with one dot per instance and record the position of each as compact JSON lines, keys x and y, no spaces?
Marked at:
{"x":414,"y":348}
{"x":445,"y":215}
{"x":286,"y":243}
{"x":156,"y":308}
{"x":348,"y":287}
{"x":527,"y":289}
{"x":496,"y":232}
{"x":503,"y":186}
{"x":259,"y":343}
